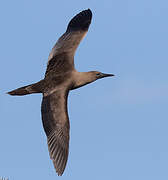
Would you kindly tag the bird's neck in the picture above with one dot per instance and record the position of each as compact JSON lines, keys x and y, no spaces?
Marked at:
{"x":81,"y":79}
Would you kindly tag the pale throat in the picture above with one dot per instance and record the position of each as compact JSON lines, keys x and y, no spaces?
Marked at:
{"x":81,"y":79}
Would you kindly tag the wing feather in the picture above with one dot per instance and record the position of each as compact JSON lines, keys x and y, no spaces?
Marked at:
{"x":69,"y":41}
{"x":54,"y":104}
{"x":56,"y":125}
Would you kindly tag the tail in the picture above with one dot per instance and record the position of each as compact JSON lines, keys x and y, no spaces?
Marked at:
{"x":32,"y":88}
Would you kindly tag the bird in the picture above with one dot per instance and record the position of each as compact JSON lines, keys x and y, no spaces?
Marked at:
{"x":60,"y":78}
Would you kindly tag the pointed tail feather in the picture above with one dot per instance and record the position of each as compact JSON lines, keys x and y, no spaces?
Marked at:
{"x":32,"y":88}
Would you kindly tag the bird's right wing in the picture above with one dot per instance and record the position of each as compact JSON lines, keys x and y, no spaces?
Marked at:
{"x":69,"y":41}
{"x":76,"y":30}
{"x":56,"y":125}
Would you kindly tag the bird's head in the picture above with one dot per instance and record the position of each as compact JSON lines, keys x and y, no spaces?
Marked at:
{"x":83,"y":78}
{"x":94,"y":75}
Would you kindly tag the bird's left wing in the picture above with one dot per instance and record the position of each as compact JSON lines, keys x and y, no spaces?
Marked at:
{"x":56,"y":125}
{"x":69,"y":41}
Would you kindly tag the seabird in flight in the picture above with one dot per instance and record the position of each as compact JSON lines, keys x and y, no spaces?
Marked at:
{"x":61,"y":77}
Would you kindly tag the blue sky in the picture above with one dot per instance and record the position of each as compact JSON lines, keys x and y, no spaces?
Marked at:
{"x":118,"y":125}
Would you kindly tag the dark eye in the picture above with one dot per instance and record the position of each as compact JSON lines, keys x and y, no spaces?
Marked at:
{"x":98,"y":74}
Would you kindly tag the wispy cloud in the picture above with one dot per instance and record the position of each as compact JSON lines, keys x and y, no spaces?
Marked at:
{"x":137,"y":92}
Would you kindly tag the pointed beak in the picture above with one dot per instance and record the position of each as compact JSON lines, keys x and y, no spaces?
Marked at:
{"x":103,"y":75}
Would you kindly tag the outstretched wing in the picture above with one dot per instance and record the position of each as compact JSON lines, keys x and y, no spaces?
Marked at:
{"x":69,"y":41}
{"x":56,"y":125}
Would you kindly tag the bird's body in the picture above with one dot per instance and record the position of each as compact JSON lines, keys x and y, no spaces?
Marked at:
{"x":61,"y":77}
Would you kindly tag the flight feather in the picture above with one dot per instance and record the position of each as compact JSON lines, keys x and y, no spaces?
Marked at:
{"x":69,"y":41}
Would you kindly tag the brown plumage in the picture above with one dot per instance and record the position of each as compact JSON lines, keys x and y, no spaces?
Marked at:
{"x":61,"y":77}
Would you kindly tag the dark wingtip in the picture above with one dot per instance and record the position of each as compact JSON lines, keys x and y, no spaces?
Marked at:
{"x":81,"y":21}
